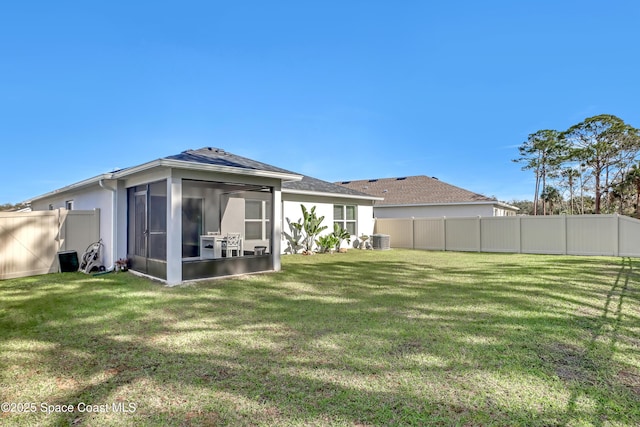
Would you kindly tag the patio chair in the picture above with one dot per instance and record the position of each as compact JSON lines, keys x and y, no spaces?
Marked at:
{"x":232,"y":242}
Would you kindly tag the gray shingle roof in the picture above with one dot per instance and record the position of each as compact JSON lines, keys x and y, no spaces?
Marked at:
{"x":317,"y":185}
{"x":217,"y":156}
{"x":414,"y":190}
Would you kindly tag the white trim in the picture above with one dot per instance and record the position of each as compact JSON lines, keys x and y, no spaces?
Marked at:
{"x":324,"y":194}
{"x":183,"y":164}
{"x":79,"y":184}
{"x":504,"y":205}
{"x":177,"y":164}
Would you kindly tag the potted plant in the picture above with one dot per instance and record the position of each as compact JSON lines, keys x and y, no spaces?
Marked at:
{"x":122,"y":264}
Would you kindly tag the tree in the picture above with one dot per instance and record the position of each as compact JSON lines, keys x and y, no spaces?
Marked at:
{"x":542,"y":152}
{"x":550,"y":195}
{"x":525,"y":206}
{"x":605,"y":144}
{"x":8,"y":207}
{"x":633,"y":181}
{"x":570,"y":175}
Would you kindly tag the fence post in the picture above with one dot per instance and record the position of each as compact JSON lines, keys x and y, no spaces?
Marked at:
{"x":566,"y":234}
{"x":61,"y":235}
{"x":616,"y":235}
{"x":479,"y":222}
{"x":413,"y":233}
{"x":519,"y":236}
{"x":444,"y":233}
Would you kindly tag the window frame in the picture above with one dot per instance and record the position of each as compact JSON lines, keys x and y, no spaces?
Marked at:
{"x":344,"y":220}
{"x":264,"y":220}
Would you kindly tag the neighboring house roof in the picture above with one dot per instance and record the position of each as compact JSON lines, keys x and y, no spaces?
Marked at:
{"x":417,"y":190}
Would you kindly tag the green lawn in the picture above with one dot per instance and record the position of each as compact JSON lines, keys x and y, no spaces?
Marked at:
{"x":364,"y":338}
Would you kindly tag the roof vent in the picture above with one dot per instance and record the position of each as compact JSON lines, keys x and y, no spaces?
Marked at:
{"x":373,"y":180}
{"x":346,"y":182}
{"x":385,"y":191}
{"x":401,"y":179}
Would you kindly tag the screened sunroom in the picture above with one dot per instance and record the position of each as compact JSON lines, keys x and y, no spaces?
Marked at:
{"x":199,"y":224}
{"x":225,"y":228}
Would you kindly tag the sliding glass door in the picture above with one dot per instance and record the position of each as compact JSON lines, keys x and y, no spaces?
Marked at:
{"x":147,"y":231}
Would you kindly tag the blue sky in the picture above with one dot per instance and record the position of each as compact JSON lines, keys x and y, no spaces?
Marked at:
{"x":335,"y":89}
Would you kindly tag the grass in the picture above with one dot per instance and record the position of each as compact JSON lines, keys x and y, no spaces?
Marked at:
{"x":359,"y":339}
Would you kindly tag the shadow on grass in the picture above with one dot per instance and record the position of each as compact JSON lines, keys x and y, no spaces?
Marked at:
{"x":346,"y":341}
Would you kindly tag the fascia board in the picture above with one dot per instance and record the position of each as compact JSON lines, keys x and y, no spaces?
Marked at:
{"x":286,"y":177}
{"x":181,"y":164}
{"x":78,"y":185}
{"x":448,"y":204}
{"x":323,"y":194}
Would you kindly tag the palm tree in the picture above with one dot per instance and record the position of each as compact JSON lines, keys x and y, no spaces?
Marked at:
{"x":633,"y":178}
{"x":542,"y":152}
{"x":550,"y":195}
{"x":570,"y":174}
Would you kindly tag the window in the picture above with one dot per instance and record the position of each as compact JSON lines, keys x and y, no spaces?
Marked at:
{"x":68,"y":205}
{"x":345,"y":217}
{"x":257,"y":224}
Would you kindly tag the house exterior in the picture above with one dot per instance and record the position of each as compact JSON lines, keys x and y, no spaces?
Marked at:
{"x":350,"y":209}
{"x":169,"y":216}
{"x":423,"y":197}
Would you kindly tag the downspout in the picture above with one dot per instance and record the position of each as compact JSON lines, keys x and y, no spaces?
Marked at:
{"x":114,"y":222}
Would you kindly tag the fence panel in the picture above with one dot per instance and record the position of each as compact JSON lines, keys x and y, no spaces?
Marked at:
{"x":26,"y":242}
{"x":629,"y":237}
{"x":608,"y":235}
{"x":429,"y":233}
{"x":79,"y":230}
{"x":30,"y":241}
{"x":592,"y":235}
{"x":462,"y":234}
{"x":401,"y":230}
{"x":500,"y":234}
{"x":540,"y":235}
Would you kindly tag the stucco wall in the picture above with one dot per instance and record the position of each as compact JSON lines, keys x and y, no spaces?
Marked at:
{"x":324,"y":207}
{"x":87,"y":199}
{"x":434,"y":211}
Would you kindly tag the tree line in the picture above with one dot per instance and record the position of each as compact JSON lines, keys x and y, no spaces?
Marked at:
{"x":10,"y":207}
{"x":592,"y":167}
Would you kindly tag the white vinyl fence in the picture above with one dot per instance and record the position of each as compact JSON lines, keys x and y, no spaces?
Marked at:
{"x":611,"y":235}
{"x":30,"y":241}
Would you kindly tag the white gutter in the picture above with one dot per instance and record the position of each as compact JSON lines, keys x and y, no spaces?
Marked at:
{"x":172,"y":164}
{"x":84,"y":183}
{"x":182,"y":164}
{"x":114,"y":222}
{"x":325,"y":194}
{"x":488,"y":202}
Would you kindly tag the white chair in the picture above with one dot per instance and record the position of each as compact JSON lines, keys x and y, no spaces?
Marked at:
{"x":232,"y":242}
